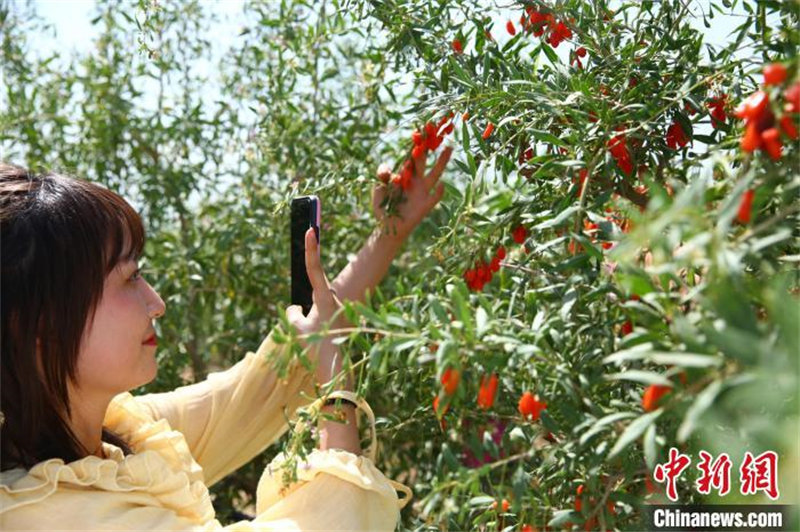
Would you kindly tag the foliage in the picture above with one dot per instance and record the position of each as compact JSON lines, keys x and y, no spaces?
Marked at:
{"x":627,"y":226}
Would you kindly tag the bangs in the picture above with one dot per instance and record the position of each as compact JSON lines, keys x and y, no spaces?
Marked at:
{"x":125,"y":236}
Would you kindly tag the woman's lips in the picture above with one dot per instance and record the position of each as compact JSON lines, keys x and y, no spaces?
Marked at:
{"x":151,"y":341}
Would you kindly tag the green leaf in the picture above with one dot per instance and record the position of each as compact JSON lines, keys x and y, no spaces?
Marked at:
{"x":645,"y":377}
{"x":650,"y":447}
{"x":701,"y":403}
{"x":462,"y":309}
{"x":633,"y":431}
{"x":603,"y":422}
{"x":544,"y":136}
{"x":481,"y":500}
{"x":561,"y":517}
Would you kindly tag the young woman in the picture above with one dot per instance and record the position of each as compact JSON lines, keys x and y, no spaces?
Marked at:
{"x":78,"y":451}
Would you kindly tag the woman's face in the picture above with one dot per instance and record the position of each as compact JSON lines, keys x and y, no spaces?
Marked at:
{"x":115,"y":354}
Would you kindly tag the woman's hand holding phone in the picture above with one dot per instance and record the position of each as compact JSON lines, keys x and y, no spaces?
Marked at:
{"x":332,"y":435}
{"x":326,"y":305}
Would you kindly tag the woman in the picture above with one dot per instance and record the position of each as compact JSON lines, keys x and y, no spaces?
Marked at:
{"x":78,"y":451}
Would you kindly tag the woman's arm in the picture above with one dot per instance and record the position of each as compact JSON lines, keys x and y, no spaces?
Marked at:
{"x":369,"y":267}
{"x":341,"y":434}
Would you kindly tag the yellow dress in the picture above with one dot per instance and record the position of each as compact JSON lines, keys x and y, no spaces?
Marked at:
{"x":188,"y":439}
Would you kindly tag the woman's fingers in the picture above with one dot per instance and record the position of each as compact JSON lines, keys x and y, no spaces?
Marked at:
{"x":437,"y":195}
{"x":294,"y":314}
{"x":384,"y":172}
{"x":419,"y":164}
{"x":313,"y":262}
{"x":323,"y":298}
{"x":438,"y":168}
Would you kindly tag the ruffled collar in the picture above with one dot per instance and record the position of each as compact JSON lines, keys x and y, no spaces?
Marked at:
{"x":162,"y":466}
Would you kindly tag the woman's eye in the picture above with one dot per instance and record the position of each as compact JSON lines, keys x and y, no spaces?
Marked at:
{"x":136,"y":275}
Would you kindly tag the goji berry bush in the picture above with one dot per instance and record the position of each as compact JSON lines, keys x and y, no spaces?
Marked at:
{"x":612,"y":272}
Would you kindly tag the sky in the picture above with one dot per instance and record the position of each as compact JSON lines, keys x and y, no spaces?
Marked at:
{"x":71,"y":19}
{"x":73,"y":32}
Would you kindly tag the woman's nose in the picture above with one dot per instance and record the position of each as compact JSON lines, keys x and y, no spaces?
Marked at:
{"x":155,"y":305}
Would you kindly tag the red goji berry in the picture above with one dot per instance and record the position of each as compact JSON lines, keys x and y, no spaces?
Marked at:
{"x":745,"y":207}
{"x":751,"y":140}
{"x":450,"y":379}
{"x":788,"y":127}
{"x":457,"y":48}
{"x":510,"y":28}
{"x":771,"y":142}
{"x":519,"y":234}
{"x":488,"y":131}
{"x":792,"y":95}
{"x":652,"y":395}
{"x":487,"y":391}
{"x":717,"y":107}
{"x":774,"y":74}
{"x":753,"y":107}
{"x":676,"y":136}
{"x":530,"y":406}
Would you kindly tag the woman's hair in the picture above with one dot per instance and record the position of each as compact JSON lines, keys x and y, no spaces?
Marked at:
{"x":59,"y":239}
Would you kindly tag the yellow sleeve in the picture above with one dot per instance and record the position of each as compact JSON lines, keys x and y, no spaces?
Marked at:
{"x":335,"y":490}
{"x":235,"y":414}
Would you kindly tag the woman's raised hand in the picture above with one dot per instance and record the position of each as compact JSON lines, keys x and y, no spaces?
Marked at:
{"x":326,"y":305}
{"x":422,"y":195}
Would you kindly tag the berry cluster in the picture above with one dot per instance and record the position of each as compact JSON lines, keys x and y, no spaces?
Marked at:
{"x":538,"y":23}
{"x":618,"y":147}
{"x":590,"y":523}
{"x":482,"y":273}
{"x":576,"y":57}
{"x":760,"y":131}
{"x":676,"y":137}
{"x":429,"y":139}
{"x":717,"y":110}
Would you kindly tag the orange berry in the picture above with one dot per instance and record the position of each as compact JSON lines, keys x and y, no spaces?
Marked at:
{"x":579,"y":499}
{"x":487,"y":391}
{"x":745,"y":207}
{"x":450,"y":379}
{"x":652,"y":395}
{"x":751,"y":140}
{"x":457,"y":48}
{"x":530,"y":407}
{"x":488,"y":131}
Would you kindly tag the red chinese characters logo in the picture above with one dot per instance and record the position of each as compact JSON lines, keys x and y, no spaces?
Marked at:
{"x":757,"y":474}
{"x":760,"y":474}
{"x":716,"y":474}
{"x":670,"y":472}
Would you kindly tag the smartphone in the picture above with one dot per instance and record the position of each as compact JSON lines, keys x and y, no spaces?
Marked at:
{"x":305,"y":213}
